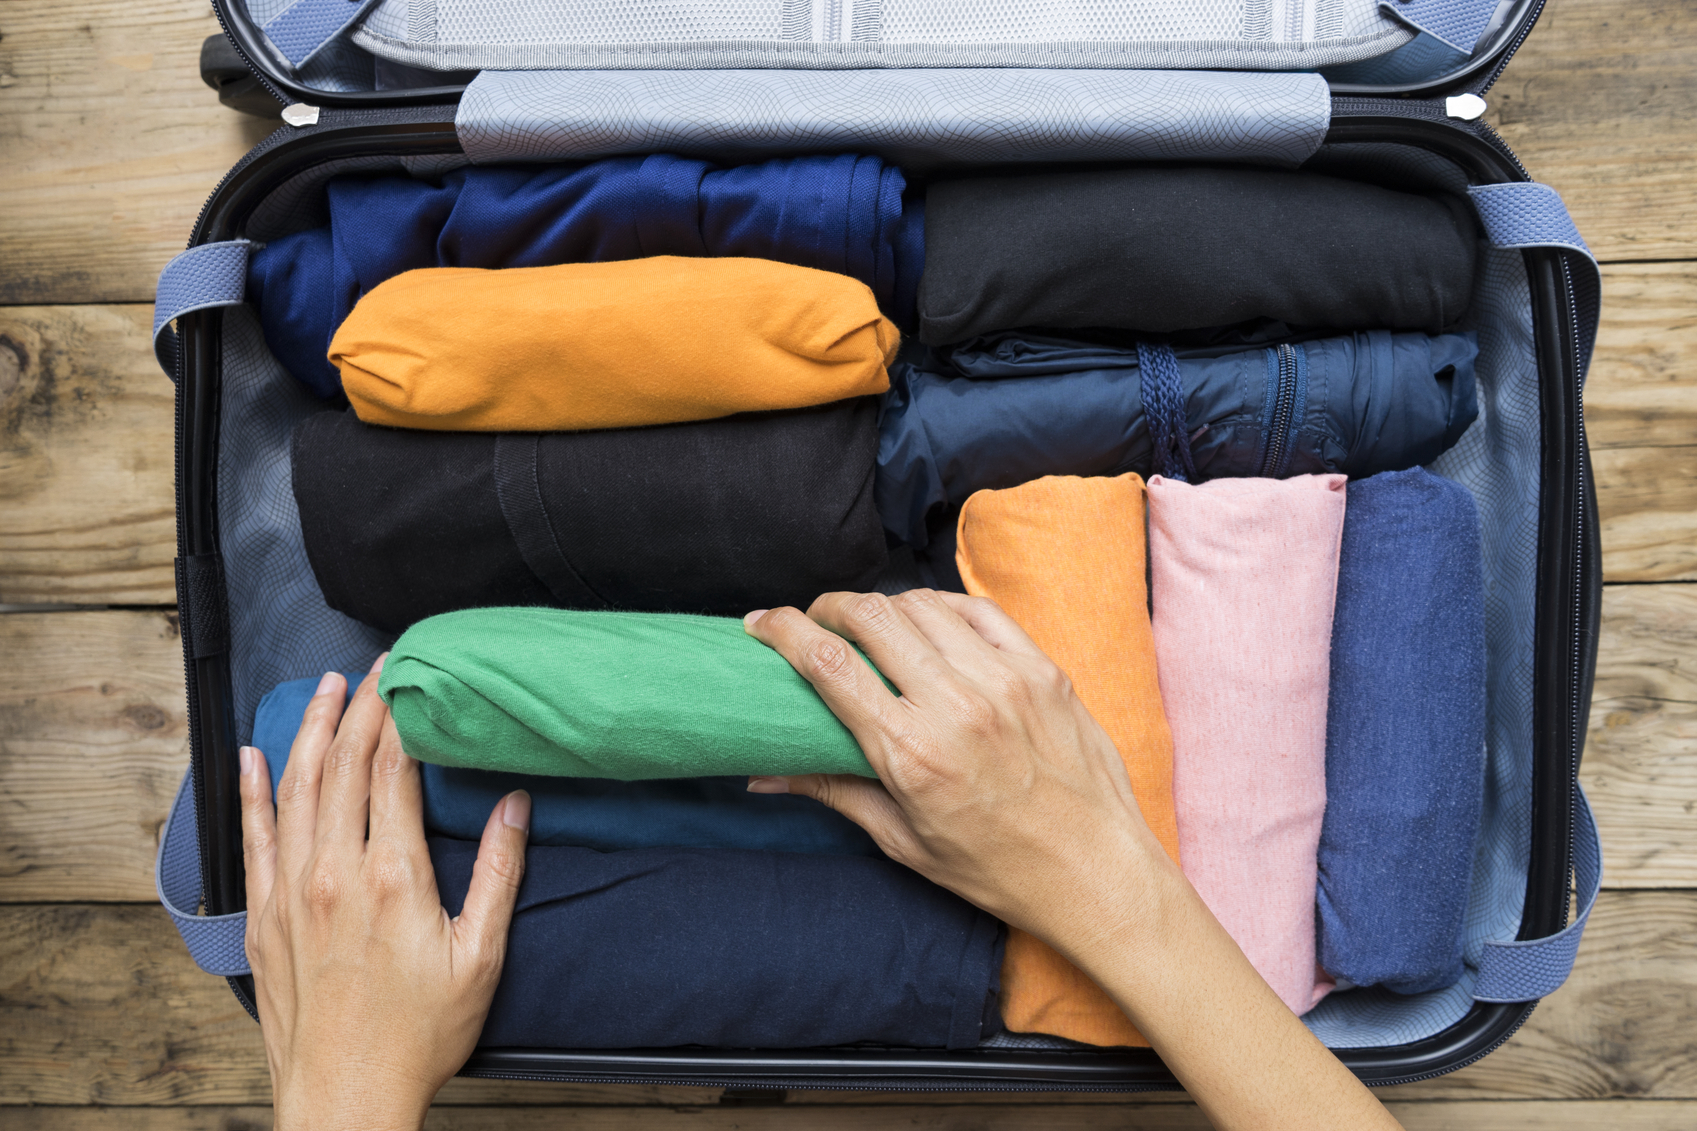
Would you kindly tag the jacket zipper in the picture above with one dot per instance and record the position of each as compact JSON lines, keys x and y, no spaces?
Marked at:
{"x":1284,"y":409}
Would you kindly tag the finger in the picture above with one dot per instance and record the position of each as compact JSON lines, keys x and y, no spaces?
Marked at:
{"x":259,"y":830}
{"x":862,"y":800}
{"x":888,"y":638}
{"x":344,"y":797}
{"x":495,"y":879}
{"x":297,"y":792}
{"x":987,"y":619}
{"x":954,"y":638}
{"x":397,"y":795}
{"x":850,"y":688}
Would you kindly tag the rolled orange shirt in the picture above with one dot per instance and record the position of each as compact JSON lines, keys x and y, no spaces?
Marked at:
{"x":608,"y":345}
{"x":1065,"y":557}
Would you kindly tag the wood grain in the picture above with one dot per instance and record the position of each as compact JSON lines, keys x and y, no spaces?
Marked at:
{"x":1640,"y":767}
{"x":92,"y":739}
{"x":109,"y":144}
{"x":1557,"y":1115}
{"x":87,"y":506}
{"x":100,"y":1004}
{"x":1601,"y":103}
{"x":93,"y":742}
{"x":1641,"y":419}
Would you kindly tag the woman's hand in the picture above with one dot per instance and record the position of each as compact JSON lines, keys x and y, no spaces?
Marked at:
{"x":370,"y":997}
{"x":995,"y":782}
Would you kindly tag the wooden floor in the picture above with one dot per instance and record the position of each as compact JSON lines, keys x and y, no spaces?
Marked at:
{"x":108,"y":145}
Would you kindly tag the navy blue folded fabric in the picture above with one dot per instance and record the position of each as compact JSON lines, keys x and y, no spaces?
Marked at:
{"x":716,"y":812}
{"x":663,"y":947}
{"x":840,"y":213}
{"x":1004,"y":409}
{"x":1405,"y":734}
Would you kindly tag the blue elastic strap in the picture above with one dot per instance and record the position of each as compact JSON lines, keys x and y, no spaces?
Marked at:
{"x":305,"y":27}
{"x":1533,"y":968}
{"x":1528,"y":214}
{"x":217,"y":943}
{"x":1164,"y":411}
{"x":1458,"y":23}
{"x":213,"y":274}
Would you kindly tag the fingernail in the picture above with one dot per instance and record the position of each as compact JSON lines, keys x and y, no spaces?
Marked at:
{"x":749,"y":619}
{"x":768,"y":785}
{"x":516,"y":813}
{"x":325,"y":684}
{"x":246,"y":754}
{"x":377,"y":664}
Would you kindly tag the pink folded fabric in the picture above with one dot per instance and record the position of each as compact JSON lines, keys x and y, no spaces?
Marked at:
{"x":1244,"y":574}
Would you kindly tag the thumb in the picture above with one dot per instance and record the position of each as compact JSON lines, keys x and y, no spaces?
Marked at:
{"x":864,"y":801}
{"x":488,"y":909}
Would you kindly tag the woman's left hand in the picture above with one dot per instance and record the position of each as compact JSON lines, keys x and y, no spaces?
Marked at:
{"x":370,"y":997}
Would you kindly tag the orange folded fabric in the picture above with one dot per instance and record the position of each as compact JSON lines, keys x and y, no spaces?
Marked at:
{"x":608,"y":345}
{"x":1065,"y":557}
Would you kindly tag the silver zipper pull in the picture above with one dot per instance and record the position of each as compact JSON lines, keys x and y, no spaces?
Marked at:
{"x":1464,"y":106}
{"x":300,"y":114}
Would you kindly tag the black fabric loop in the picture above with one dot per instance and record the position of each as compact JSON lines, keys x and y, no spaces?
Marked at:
{"x":519,"y":491}
{"x":203,"y":604}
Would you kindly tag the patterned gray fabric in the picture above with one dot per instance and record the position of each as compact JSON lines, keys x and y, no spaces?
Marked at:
{"x":1258,"y":35}
{"x":916,"y":118}
{"x":280,"y":627}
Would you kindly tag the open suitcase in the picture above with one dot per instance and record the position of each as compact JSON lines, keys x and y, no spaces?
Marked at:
{"x":420,"y":87}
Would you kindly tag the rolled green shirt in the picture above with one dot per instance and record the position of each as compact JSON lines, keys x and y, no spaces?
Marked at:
{"x":607,"y":695}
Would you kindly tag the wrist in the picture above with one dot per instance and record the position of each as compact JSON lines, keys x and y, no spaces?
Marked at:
{"x":373,"y":1102}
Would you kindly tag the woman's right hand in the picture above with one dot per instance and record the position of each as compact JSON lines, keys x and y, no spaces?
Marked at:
{"x":995,"y":782}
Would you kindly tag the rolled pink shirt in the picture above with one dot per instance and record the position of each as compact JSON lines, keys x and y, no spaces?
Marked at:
{"x":1244,"y":576}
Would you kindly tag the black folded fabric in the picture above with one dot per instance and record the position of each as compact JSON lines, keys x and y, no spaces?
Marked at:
{"x":659,"y":947}
{"x":1167,"y":249}
{"x":719,"y":516}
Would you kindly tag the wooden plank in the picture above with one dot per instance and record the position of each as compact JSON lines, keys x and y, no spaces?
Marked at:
{"x":108,"y":150}
{"x":1641,"y":419}
{"x":109,"y":144}
{"x":1640,"y":766}
{"x":86,"y":432}
{"x":1601,"y":103}
{"x":93,"y":742}
{"x":87,"y":506}
{"x":100,"y":1004}
{"x":1557,"y":1115}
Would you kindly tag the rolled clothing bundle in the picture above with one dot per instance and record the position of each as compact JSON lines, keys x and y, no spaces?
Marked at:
{"x":607,"y":695}
{"x":720,"y":516}
{"x":1009,"y":408}
{"x":1064,"y":557}
{"x":608,"y":345}
{"x":593,"y":812}
{"x":842,"y":213}
{"x":1405,"y":734}
{"x":1244,"y":573}
{"x":663,"y":947}
{"x":1161,"y":249}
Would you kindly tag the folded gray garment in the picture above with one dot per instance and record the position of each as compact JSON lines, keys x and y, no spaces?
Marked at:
{"x":1004,"y":409}
{"x":916,"y":118}
{"x":1164,"y":249}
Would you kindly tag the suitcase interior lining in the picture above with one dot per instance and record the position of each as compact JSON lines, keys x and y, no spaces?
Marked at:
{"x":280,"y":628}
